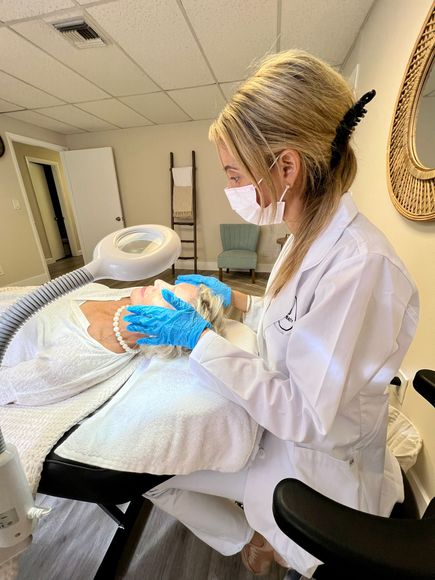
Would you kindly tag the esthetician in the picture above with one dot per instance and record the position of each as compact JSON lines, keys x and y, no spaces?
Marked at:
{"x":338,"y":316}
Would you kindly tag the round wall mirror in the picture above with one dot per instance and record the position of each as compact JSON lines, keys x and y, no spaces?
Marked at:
{"x":411,"y":145}
{"x":424,"y":135}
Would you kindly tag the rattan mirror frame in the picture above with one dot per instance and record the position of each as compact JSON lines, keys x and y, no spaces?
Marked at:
{"x":411,"y":185}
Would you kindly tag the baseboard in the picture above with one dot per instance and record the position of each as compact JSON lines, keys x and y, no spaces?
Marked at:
{"x":34,"y":281}
{"x":188,"y":265}
{"x":421,"y":497}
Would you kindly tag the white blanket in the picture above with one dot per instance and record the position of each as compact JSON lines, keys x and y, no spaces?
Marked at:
{"x":165,"y":421}
{"x":35,"y":430}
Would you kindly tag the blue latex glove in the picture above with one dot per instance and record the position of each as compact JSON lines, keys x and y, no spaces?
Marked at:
{"x":215,"y":285}
{"x":180,"y":327}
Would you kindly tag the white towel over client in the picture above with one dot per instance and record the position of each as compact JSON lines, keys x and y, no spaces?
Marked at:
{"x":165,"y":421}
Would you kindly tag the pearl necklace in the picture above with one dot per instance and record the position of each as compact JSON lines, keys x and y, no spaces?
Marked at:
{"x":118,"y":334}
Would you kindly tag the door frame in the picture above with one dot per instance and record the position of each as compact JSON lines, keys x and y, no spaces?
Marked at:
{"x":10,"y":138}
{"x":61,"y":195}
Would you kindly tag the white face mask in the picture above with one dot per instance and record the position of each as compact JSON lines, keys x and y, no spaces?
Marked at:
{"x":243,"y":200}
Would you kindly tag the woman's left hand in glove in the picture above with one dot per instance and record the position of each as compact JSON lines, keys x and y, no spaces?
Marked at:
{"x":180,"y":326}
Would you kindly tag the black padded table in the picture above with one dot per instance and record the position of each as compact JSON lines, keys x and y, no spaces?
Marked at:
{"x":108,"y":489}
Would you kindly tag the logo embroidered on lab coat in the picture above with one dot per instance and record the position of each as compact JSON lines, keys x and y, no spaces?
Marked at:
{"x":286,"y":323}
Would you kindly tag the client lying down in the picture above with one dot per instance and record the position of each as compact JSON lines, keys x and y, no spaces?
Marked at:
{"x":80,"y":340}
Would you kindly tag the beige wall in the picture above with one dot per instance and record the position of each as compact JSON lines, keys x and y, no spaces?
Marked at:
{"x":382,"y":51}
{"x":19,"y":256}
{"x":142,"y":164}
{"x":22,"y":150}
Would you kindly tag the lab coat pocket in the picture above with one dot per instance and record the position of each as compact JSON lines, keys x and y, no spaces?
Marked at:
{"x":336,"y":478}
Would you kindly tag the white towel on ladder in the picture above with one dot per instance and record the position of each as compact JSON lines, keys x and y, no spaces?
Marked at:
{"x":182,"y":176}
{"x":183,"y":192}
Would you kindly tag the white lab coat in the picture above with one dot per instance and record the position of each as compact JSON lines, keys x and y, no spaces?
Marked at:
{"x":329,"y":344}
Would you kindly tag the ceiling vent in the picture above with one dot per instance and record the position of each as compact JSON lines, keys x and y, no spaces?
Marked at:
{"x":80,"y":34}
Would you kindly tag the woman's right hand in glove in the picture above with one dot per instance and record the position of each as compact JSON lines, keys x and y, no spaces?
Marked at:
{"x":215,"y":285}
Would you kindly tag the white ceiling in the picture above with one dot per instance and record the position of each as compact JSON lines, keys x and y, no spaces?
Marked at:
{"x":167,"y":61}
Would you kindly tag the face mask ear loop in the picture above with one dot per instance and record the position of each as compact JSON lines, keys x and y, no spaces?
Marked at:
{"x":276,"y":160}
{"x":261,"y":179}
{"x":287,"y":187}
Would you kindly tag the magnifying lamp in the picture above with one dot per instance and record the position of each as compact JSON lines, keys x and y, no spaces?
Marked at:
{"x":133,"y":253}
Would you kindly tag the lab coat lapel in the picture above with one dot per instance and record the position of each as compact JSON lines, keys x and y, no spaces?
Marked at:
{"x":283,"y":306}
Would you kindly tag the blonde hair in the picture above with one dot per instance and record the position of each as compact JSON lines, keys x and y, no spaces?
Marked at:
{"x":293,"y":101}
{"x":210,"y":307}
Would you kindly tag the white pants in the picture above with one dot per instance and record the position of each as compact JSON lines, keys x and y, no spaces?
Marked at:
{"x":204,"y":501}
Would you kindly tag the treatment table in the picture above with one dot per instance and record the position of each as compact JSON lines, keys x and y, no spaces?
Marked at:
{"x":107,"y":488}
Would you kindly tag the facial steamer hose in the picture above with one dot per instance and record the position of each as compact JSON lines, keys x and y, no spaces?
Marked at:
{"x":17,"y":314}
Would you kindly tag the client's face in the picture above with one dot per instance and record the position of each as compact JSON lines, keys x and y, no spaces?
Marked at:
{"x":152,"y":295}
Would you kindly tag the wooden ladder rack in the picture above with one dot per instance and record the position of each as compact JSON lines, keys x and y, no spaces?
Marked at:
{"x":191,"y":223}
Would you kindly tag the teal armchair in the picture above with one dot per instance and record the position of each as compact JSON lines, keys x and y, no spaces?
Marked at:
{"x":239,"y":242}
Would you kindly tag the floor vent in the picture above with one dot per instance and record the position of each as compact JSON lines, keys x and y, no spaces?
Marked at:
{"x":80,"y":34}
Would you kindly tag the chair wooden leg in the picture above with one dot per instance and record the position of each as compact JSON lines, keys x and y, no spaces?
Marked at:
{"x":228,"y":270}
{"x":220,"y":274}
{"x":253,"y":276}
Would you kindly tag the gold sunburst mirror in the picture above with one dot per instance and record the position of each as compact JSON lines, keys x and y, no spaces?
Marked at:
{"x":411,"y":144}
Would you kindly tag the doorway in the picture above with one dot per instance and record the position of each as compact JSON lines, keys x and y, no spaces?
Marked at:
{"x":52,"y":222}
{"x":48,"y":202}
{"x":75,"y":174}
{"x":44,"y":160}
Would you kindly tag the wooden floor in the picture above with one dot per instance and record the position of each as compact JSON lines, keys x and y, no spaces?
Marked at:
{"x":70,"y":543}
{"x":237,"y":280}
